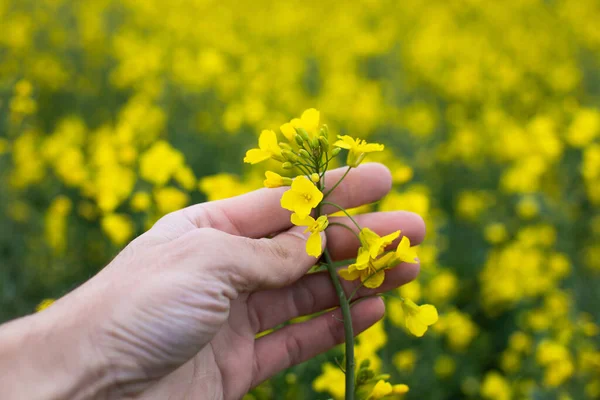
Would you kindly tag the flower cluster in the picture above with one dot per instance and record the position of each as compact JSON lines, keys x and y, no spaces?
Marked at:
{"x":306,"y":150}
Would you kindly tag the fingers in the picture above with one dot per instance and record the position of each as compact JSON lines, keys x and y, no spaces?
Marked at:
{"x":343,"y":244}
{"x":296,"y":343}
{"x":314,"y":293}
{"x":269,"y":263}
{"x":259,"y":213}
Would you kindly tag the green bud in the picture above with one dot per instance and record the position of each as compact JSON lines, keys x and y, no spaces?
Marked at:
{"x":285,"y":146}
{"x":288,"y":155}
{"x":315,"y":177}
{"x":324,"y":131}
{"x":314,"y":143}
{"x":287,"y":165}
{"x":299,"y":140}
{"x":278,"y":158}
{"x":287,"y":181}
{"x":335,"y":151}
{"x":385,"y":377}
{"x":365,"y":364}
{"x":324,"y":144}
{"x":304,"y":153}
{"x":363,"y":376}
{"x":303,"y":134}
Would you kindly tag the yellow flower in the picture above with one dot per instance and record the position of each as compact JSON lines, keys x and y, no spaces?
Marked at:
{"x":288,"y":131}
{"x":495,"y":387}
{"x":405,"y":253}
{"x":169,"y":199}
{"x":268,"y":147}
{"x":309,"y":121}
{"x":400,"y":389}
{"x":331,"y":380}
{"x":418,"y":318}
{"x":375,"y":244}
{"x":381,"y":389}
{"x":118,"y":227}
{"x":275,"y":180}
{"x":302,"y":197}
{"x":314,"y":226}
{"x":357,"y":149}
{"x":141,"y":201}
{"x":371,"y":273}
{"x":44,"y":304}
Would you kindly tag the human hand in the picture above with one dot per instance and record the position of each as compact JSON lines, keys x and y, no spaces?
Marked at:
{"x":176,"y":313}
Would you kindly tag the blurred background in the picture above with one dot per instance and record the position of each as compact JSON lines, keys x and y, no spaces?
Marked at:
{"x":113,"y":113}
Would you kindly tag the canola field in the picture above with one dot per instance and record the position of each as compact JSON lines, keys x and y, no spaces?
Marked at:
{"x":114,"y":113}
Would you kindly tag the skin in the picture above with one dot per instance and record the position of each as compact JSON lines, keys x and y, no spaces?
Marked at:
{"x":176,"y":313}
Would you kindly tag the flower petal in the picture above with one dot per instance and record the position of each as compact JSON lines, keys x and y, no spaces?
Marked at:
{"x":306,"y":221}
{"x":373,"y":281}
{"x":415,"y":326}
{"x":254,"y":156}
{"x":314,"y":245}
{"x":428,"y":314}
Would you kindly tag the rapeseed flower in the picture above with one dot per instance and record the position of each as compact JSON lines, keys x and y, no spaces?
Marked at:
{"x":274,"y":180}
{"x":375,"y":244}
{"x":357,"y":149}
{"x":302,"y":197}
{"x":371,"y":273}
{"x":380,"y":390}
{"x":268,"y":147}
{"x":314,"y":226}
{"x":418,"y":318}
{"x":405,"y":253}
{"x":309,"y":121}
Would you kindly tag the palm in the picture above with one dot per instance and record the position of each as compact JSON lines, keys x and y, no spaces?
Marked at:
{"x":231,"y":360}
{"x":229,"y":357}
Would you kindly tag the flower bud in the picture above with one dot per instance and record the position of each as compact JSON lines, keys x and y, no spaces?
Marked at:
{"x":324,"y":144}
{"x":285,"y":146}
{"x":324,"y":131}
{"x":287,"y":165}
{"x":315,"y":177}
{"x":335,"y":151}
{"x":288,"y":155}
{"x":314,"y":143}
{"x":303,"y":134}
{"x":299,"y":140}
{"x":303,"y":153}
{"x":274,"y":180}
{"x":277,"y":158}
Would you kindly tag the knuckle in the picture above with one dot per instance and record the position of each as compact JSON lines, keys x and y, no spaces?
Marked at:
{"x":293,"y":347}
{"x":335,"y":328}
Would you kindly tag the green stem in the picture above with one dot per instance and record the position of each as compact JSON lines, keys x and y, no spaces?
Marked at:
{"x":348,"y":331}
{"x":342,"y":209}
{"x":337,"y":183}
{"x":346,"y":315}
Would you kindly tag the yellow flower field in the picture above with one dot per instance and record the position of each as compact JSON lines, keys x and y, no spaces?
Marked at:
{"x":115,"y":113}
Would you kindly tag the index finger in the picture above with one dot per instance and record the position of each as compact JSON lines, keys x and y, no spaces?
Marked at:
{"x":259,"y":213}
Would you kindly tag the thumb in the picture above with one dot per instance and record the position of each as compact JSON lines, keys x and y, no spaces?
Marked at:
{"x":272,"y":262}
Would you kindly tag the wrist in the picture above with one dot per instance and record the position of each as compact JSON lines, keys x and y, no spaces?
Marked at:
{"x":50,"y":355}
